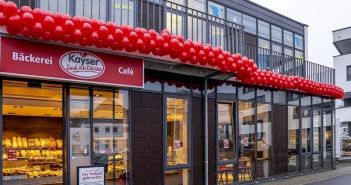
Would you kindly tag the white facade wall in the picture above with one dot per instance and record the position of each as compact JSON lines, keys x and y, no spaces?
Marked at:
{"x":342,"y":114}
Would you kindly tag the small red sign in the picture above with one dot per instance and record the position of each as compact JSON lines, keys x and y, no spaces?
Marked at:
{"x":225,"y":143}
{"x":11,"y":155}
{"x":45,"y":61}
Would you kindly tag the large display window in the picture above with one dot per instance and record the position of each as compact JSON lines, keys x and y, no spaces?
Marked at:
{"x":111,"y":133}
{"x":177,"y":141}
{"x":32,"y":133}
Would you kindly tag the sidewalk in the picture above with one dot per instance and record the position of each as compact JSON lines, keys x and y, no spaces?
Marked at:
{"x":341,"y":169}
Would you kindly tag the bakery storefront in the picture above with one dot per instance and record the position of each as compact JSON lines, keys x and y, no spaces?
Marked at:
{"x":145,"y":121}
{"x":55,"y":119}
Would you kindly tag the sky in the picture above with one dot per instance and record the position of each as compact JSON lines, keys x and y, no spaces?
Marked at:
{"x":322,"y":17}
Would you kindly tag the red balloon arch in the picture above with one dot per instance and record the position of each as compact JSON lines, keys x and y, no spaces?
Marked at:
{"x":45,"y":25}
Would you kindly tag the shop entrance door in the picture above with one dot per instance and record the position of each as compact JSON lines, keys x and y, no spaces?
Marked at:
{"x":32,"y":133}
{"x":99,"y":132}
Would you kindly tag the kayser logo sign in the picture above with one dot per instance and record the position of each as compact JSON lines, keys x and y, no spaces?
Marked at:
{"x":28,"y":59}
{"x":82,"y":64}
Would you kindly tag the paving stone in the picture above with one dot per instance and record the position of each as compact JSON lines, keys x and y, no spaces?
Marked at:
{"x":341,"y":169}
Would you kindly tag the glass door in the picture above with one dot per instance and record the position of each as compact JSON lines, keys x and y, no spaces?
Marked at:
{"x":111,"y":133}
{"x":225,"y":143}
{"x":80,"y":138}
{"x":177,"y":142}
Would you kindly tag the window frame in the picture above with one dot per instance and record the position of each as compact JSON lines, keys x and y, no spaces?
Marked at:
{"x":348,"y":78}
{"x":189,"y":135}
{"x":233,"y":120}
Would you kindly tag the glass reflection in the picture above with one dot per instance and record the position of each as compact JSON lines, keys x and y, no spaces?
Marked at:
{"x":111,"y":133}
{"x":293,"y":132}
{"x":327,"y":132}
{"x":177,"y":131}
{"x":247,"y":140}
{"x":225,"y":174}
{"x":226,"y":142}
{"x":264,"y":140}
{"x":79,"y":130}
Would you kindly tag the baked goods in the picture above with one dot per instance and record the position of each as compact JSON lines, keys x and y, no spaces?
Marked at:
{"x":14,"y":142}
{"x":19,"y":142}
{"x":8,"y":143}
{"x":37,"y":142}
{"x":24,"y":142}
{"x":31,"y":143}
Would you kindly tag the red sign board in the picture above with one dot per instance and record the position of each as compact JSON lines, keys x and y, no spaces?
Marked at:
{"x":11,"y":155}
{"x":45,"y":61}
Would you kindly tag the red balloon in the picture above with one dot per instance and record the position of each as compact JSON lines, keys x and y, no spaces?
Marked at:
{"x":47,"y":36}
{"x":67,"y":39}
{"x":2,"y":5}
{"x":15,"y":22}
{"x":86,"y":29}
{"x":109,"y":41}
{"x":152,"y":45}
{"x":103,"y":32}
{"x":59,"y":18}
{"x":193,"y":60}
{"x":147,"y":38}
{"x":125,"y":42}
{"x":28,"y":19}
{"x":10,"y":9}
{"x":140,"y":44}
{"x":159,"y":41}
{"x":183,"y":57}
{"x":49,"y":23}
{"x":133,"y":36}
{"x":153,"y":33}
{"x":111,"y":26}
{"x":25,"y":31}
{"x":25,"y":9}
{"x":58,"y":33}
{"x":77,"y":35}
{"x":3,"y":19}
{"x":37,"y":30}
{"x":68,"y":27}
{"x":94,"y":37}
{"x":118,"y":35}
{"x":78,"y":21}
{"x":95,"y":23}
{"x":38,"y":14}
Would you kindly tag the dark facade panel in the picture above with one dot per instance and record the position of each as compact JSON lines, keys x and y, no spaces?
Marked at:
{"x":146,"y":138}
{"x":198,"y":140}
{"x":264,"y":14}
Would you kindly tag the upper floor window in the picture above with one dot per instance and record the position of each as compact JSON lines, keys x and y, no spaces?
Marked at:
{"x":298,"y":42}
{"x":249,"y":24}
{"x":92,"y":9}
{"x":234,"y":16}
{"x":216,"y":10}
{"x":299,"y":55}
{"x":277,"y":49}
{"x":122,"y":12}
{"x":263,"y":29}
{"x":55,"y":5}
{"x":348,"y":73}
{"x":180,"y":2}
{"x":199,"y":5}
{"x":289,"y":52}
{"x":277,"y":34}
{"x":288,"y":38}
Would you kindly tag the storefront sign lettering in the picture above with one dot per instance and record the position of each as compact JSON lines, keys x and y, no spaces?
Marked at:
{"x":91,"y":175}
{"x":29,"y":59}
{"x":82,"y":64}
